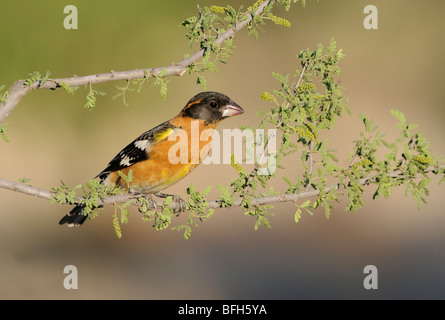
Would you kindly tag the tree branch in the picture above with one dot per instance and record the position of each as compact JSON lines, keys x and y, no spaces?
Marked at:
{"x":123,"y":198}
{"x":26,"y":189}
{"x":18,"y":90}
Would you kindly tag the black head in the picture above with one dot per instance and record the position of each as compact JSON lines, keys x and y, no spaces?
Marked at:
{"x":211,"y":107}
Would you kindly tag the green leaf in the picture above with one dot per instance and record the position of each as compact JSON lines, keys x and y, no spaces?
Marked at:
{"x":399,"y":116}
{"x":116,"y":226}
{"x":3,"y":94}
{"x":92,"y":98}
{"x":3,"y":130}
{"x":305,"y":204}
{"x":202,"y":81}
{"x":68,"y":89}
{"x":24,"y":180}
{"x":127,"y":178}
{"x":297,"y":215}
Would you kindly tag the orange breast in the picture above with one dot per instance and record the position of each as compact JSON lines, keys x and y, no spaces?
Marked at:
{"x":162,"y":168}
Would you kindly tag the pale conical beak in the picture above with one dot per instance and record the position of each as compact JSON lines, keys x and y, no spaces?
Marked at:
{"x":232,"y":109}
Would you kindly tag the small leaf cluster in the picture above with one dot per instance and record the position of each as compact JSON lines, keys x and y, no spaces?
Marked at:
{"x":162,"y":82}
{"x":93,"y":192}
{"x":245,"y":188}
{"x":36,"y":76}
{"x":138,"y":84}
{"x":197,"y":210}
{"x":204,"y":29}
{"x":92,"y":97}
{"x":404,"y":163}
{"x":123,"y":93}
{"x":161,"y":217}
{"x":3,"y":94}
{"x":196,"y":207}
{"x":24,"y":180}
{"x":124,"y":214}
{"x":257,"y":21}
{"x":410,"y":155}
{"x":288,"y":3}
{"x":68,"y":89}
{"x":3,"y":130}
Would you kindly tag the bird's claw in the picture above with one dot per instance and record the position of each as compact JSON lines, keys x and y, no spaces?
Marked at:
{"x":181,"y":204}
{"x":151,"y":204}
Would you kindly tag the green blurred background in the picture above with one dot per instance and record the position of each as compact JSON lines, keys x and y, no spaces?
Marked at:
{"x":53,"y":138}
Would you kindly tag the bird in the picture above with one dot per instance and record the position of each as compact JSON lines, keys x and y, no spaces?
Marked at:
{"x":149,"y":155}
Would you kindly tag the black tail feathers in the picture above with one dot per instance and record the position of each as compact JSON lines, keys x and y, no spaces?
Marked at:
{"x":75,"y":217}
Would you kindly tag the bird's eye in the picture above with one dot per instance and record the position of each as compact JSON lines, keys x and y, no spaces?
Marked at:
{"x":213,"y":104}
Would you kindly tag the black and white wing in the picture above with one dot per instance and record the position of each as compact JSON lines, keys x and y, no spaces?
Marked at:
{"x":137,"y":150}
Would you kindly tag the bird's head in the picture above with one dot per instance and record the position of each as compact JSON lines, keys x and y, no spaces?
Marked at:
{"x":211,"y":107}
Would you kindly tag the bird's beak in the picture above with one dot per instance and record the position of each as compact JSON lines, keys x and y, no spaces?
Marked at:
{"x":232,"y":109}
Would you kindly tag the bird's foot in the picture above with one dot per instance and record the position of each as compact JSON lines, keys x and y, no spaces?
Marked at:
{"x":148,"y":205}
{"x":181,"y":204}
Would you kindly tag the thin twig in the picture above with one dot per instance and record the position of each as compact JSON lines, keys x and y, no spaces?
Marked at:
{"x":353,"y":161}
{"x":300,"y":78}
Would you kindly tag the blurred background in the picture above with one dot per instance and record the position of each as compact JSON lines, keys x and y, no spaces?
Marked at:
{"x":53,"y":138}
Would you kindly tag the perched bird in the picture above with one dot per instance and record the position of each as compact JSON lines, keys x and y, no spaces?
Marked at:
{"x":149,"y":157}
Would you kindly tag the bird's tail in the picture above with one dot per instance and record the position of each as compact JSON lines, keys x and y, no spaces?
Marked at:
{"x":75,"y":217}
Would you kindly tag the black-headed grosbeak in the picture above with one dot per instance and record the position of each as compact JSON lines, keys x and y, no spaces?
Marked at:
{"x":148,"y":155}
